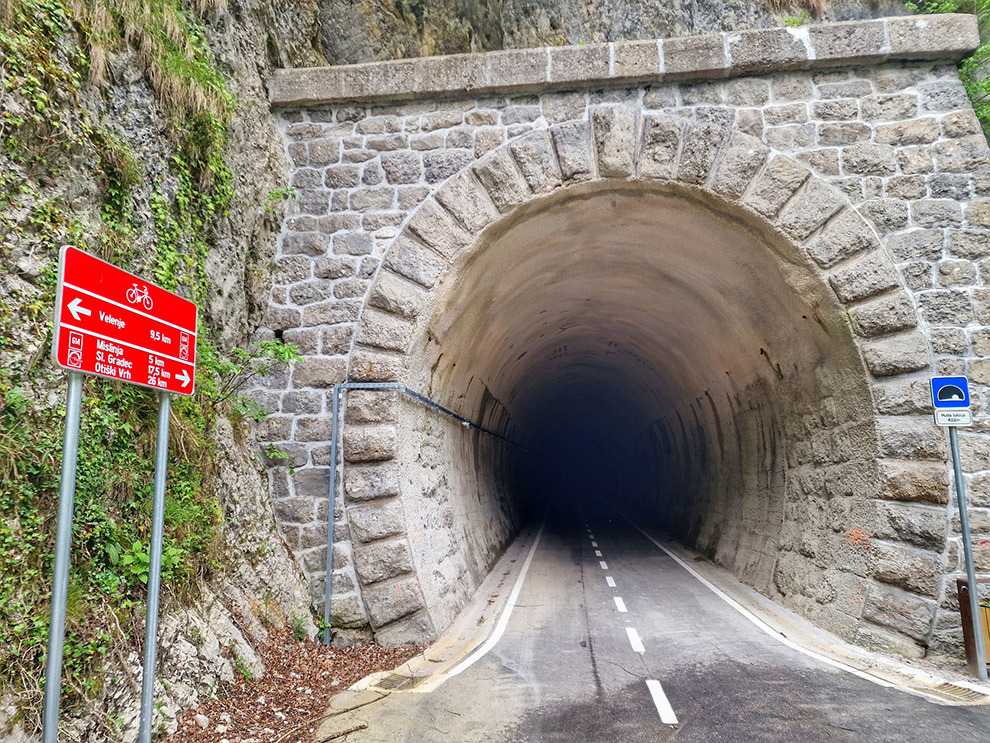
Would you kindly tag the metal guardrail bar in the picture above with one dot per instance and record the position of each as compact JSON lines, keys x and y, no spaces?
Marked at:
{"x":338,"y":392}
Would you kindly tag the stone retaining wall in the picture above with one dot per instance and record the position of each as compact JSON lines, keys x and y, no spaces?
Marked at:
{"x":873,"y":163}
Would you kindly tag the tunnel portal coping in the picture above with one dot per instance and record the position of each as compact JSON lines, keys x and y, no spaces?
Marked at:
{"x":942,"y":37}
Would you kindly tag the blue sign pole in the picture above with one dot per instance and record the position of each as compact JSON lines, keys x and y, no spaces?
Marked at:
{"x":951,"y":400}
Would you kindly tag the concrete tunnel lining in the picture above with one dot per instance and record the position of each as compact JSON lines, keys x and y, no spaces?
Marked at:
{"x":692,"y":341}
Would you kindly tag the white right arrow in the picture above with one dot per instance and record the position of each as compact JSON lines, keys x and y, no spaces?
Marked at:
{"x":77,"y":310}
{"x":183,"y":377}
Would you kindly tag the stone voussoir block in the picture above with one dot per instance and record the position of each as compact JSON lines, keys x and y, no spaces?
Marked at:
{"x":813,"y":206}
{"x":775,"y":186}
{"x":397,"y":296}
{"x":371,"y":406}
{"x":371,"y":365}
{"x":501,"y":178}
{"x":662,"y":138}
{"x":866,"y":277}
{"x":370,"y":443}
{"x":845,"y":236}
{"x":384,"y":330}
{"x":888,"y":314}
{"x":470,"y":204}
{"x":376,"y":521}
{"x":700,"y":148}
{"x":436,"y":227}
{"x":900,"y":611}
{"x":415,"y":629}
{"x":741,"y":160}
{"x":572,"y":143}
{"x":413,"y":260}
{"x":897,"y":354}
{"x":319,"y":371}
{"x":389,"y":601}
{"x":380,"y":561}
{"x":537,"y":161}
{"x":370,"y":482}
{"x":615,"y":130}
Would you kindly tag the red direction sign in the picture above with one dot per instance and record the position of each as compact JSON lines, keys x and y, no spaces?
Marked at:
{"x":114,"y":324}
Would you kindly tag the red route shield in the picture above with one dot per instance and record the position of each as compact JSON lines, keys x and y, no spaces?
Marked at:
{"x":114,"y":324}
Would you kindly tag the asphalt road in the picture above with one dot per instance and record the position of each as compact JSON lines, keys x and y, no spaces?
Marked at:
{"x":569,"y":668}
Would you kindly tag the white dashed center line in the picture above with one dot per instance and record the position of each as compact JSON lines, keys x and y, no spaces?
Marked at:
{"x":666,"y":712}
{"x":610,"y":580}
{"x":594,"y":544}
{"x":637,"y":644}
{"x":598,"y":553}
{"x":603,"y":564}
{"x":620,"y":604}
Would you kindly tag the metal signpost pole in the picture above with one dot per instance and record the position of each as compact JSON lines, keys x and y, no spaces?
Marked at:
{"x":63,"y":543}
{"x":154,"y":569}
{"x":974,"y":599}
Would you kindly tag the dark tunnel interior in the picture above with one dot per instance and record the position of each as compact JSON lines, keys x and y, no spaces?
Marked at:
{"x":649,"y":349}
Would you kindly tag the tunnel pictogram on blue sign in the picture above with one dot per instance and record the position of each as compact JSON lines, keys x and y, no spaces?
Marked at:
{"x":950,"y":392}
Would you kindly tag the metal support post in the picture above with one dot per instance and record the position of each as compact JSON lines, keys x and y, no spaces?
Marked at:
{"x":63,"y":544}
{"x":338,"y":390}
{"x":154,"y":568}
{"x":974,"y":599}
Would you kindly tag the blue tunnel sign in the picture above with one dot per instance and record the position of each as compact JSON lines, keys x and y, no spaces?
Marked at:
{"x":950,"y":397}
{"x":950,"y":392}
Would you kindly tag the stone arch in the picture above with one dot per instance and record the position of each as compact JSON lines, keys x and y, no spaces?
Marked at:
{"x":620,"y":144}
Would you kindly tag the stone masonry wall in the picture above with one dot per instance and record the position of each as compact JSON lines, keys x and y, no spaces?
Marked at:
{"x":880,"y":170}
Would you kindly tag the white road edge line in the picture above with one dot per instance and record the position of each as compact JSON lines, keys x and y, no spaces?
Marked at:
{"x":666,"y":712}
{"x":756,"y":621}
{"x":603,"y":564}
{"x":620,"y":605}
{"x":637,"y":644}
{"x":610,"y":580}
{"x":503,"y":620}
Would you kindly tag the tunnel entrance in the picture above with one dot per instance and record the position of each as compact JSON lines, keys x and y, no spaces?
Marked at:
{"x":653,"y":349}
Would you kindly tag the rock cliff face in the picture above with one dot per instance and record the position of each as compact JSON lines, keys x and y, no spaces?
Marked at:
{"x":363,"y":31}
{"x":52,"y":195}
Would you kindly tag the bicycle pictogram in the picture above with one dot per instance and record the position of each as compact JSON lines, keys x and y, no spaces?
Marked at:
{"x":136,"y":296}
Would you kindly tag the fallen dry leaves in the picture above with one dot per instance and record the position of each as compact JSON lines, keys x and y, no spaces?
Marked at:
{"x":285,"y":705}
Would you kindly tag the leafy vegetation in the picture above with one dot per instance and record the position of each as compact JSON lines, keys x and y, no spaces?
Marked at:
{"x":974,"y":71}
{"x":53,"y":55}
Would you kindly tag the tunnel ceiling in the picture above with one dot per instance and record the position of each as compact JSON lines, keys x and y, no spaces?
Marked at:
{"x":648,"y":298}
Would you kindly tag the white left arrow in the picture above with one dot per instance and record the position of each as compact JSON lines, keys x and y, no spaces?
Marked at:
{"x":183,"y":377}
{"x":77,"y":310}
